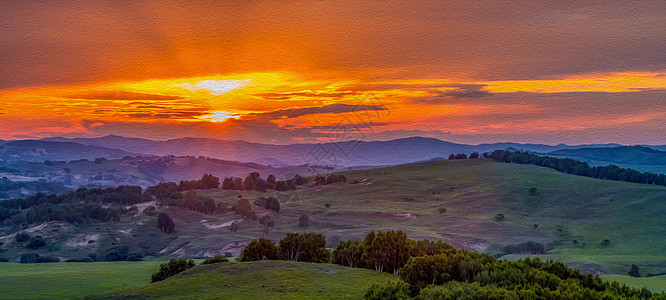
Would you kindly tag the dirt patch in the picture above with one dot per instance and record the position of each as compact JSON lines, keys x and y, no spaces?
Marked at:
{"x":215,"y":226}
{"x":234,"y":248}
{"x":81,"y":240}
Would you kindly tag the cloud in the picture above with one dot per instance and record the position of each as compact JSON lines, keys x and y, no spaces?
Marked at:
{"x":328,"y":109}
{"x":460,"y":91}
{"x":215,"y":87}
{"x":287,"y":96}
{"x":119,"y":95}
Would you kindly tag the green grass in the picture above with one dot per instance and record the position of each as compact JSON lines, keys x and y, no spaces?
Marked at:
{"x":69,"y":280}
{"x":259,"y":280}
{"x":655,"y":284}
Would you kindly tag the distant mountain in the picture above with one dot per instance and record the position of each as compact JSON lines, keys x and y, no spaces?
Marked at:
{"x":340,"y":154}
{"x":638,"y":155}
{"x":39,"y":151}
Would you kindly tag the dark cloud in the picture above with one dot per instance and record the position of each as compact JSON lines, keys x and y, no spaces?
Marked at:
{"x":120,"y":95}
{"x":460,"y":91}
{"x":328,"y":109}
{"x":287,"y":96}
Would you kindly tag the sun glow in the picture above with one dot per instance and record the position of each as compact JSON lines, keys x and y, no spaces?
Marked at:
{"x":220,"y":116}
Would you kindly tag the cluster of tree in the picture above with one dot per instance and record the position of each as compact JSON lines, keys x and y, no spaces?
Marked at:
{"x":271,"y":203}
{"x":307,"y":247}
{"x":34,"y":242}
{"x":529,"y":247}
{"x":575,"y":167}
{"x":333,"y":178}
{"x":473,"y":155}
{"x":254,"y":182}
{"x":195,"y":202}
{"x":175,"y":266}
{"x":32,"y":258}
{"x":83,"y":213}
{"x":121,"y":253}
{"x":472,"y":275}
{"x":7,"y":185}
{"x":207,"y":181}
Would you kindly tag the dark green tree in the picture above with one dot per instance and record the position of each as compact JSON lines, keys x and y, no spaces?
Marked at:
{"x":171,"y":268}
{"x":258,"y":249}
{"x":165,"y":223}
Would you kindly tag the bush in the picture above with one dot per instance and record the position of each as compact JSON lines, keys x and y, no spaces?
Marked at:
{"x":388,"y":291}
{"x":633,"y":272}
{"x":22,"y":237}
{"x":171,"y":268}
{"x":303,"y":221}
{"x":31,"y":258}
{"x":499,"y":217}
{"x":150,"y":211}
{"x":134,"y":256}
{"x":214,"y":260}
{"x":36,"y":243}
{"x":258,"y":249}
{"x":529,"y":247}
{"x":165,"y":223}
{"x":3,"y":259}
{"x":83,"y":259}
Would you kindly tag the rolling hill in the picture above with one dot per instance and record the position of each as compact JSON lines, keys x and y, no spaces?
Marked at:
{"x":338,"y":154}
{"x":454,"y":201}
{"x":40,"y":151}
{"x":639,"y":158}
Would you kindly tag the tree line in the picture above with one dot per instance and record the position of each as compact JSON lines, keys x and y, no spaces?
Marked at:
{"x":436,"y":270}
{"x":575,"y":167}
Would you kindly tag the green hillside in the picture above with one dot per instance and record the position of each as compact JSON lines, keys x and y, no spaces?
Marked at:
{"x":572,"y":214}
{"x":259,"y":280}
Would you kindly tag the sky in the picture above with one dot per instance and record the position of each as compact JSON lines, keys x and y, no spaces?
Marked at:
{"x":575,"y":72}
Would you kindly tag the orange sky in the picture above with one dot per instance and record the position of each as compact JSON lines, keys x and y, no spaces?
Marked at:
{"x":323,"y":71}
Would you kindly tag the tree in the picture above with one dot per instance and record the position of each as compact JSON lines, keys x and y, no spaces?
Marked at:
{"x":605,"y":243}
{"x":303,"y":221}
{"x":633,"y":272}
{"x":165,"y":223}
{"x":258,"y":249}
{"x":348,"y":253}
{"x":173,"y":267}
{"x":474,"y":155}
{"x":425,"y":270}
{"x":22,"y":237}
{"x":214,"y":260}
{"x":386,"y":251}
{"x":233,"y":227}
{"x":397,"y":290}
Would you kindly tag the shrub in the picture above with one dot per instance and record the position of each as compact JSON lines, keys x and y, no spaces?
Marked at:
{"x":532,"y":191}
{"x":529,"y":247}
{"x":150,"y":211}
{"x":303,"y":221}
{"x":31,"y":258}
{"x":388,"y":291}
{"x":441,"y":210}
{"x":83,"y":259}
{"x":3,"y":259}
{"x":605,"y":243}
{"x":633,"y":272}
{"x":36,"y":243}
{"x":171,"y":268}
{"x":22,"y":237}
{"x":214,"y":260}
{"x":499,"y":217}
{"x":233,"y":227}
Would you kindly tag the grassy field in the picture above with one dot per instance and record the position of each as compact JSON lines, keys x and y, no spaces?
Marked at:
{"x":655,"y":284}
{"x":572,"y":215}
{"x":259,"y":280}
{"x":69,"y":280}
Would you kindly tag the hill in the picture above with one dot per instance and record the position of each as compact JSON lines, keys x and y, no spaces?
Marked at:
{"x":454,"y":201}
{"x":639,"y":158}
{"x":135,"y":170}
{"x":39,"y":151}
{"x":335,"y":154}
{"x":259,"y":280}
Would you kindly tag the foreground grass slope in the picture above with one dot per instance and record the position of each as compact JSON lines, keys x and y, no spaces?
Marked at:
{"x":69,"y":280}
{"x":258,"y":280}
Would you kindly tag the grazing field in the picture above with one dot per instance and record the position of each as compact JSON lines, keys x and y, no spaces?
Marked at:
{"x":69,"y":280}
{"x":655,"y":284}
{"x":259,"y":280}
